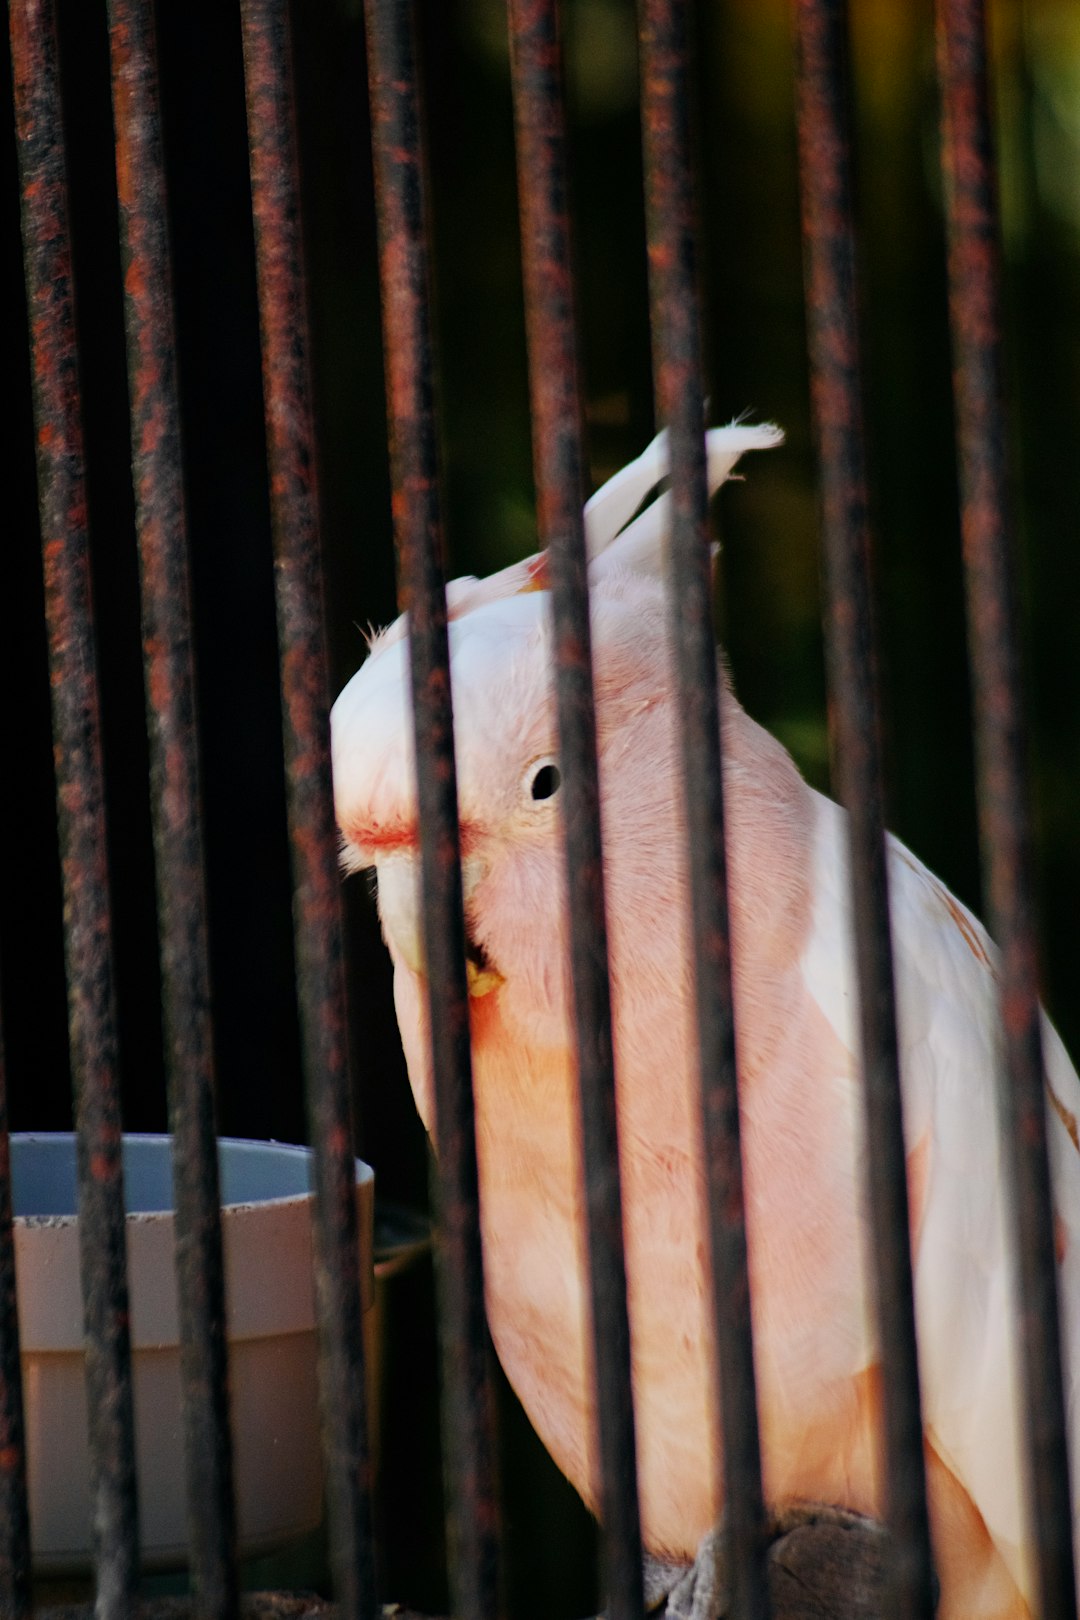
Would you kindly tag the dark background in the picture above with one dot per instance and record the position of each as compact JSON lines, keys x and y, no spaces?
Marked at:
{"x":768,"y":608}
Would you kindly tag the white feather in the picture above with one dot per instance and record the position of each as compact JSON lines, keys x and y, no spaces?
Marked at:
{"x":611,"y":540}
{"x":965,"y":1309}
{"x":637,"y":545}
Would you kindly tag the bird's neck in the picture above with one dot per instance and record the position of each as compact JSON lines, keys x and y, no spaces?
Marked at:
{"x":769,"y":818}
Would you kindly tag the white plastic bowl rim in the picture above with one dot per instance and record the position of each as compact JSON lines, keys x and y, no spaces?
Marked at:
{"x":266,"y":1233}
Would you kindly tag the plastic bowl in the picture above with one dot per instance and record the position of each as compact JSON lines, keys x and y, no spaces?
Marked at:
{"x":270,"y":1317}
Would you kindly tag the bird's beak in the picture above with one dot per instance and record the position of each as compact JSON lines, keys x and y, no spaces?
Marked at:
{"x":399,"y":907}
{"x":402,"y":919}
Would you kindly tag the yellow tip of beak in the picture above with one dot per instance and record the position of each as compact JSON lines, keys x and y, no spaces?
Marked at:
{"x":482,"y":980}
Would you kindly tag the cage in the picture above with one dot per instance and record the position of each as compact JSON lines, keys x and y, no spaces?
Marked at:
{"x":176,"y":388}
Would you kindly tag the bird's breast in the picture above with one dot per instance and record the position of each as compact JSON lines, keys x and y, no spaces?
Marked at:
{"x":810,"y":1317}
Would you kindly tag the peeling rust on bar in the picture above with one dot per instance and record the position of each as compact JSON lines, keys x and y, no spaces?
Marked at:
{"x":558,"y":460}
{"x":836,"y":388}
{"x":80,"y":801}
{"x":675,"y":304}
{"x":407,"y":340}
{"x":166,"y":612}
{"x":305,"y":699}
{"x":1001,"y":759}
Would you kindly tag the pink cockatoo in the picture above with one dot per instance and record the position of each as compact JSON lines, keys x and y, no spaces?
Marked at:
{"x":815,"y":1341}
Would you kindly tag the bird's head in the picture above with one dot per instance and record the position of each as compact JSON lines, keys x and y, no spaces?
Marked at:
{"x":509,"y":775}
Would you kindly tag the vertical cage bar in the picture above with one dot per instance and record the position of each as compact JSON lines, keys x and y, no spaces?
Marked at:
{"x":80,"y":800}
{"x":404,"y":267}
{"x":15,"y":1597}
{"x":674,"y":300}
{"x":170,"y":684}
{"x":290,"y":437}
{"x":1001,"y":757}
{"x":836,"y":388}
{"x":536,"y":60}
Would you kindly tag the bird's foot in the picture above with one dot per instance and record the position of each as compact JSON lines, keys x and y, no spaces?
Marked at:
{"x":822,"y":1563}
{"x":698,"y":1591}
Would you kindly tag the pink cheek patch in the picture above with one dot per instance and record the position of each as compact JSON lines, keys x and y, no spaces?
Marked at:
{"x":380,"y":838}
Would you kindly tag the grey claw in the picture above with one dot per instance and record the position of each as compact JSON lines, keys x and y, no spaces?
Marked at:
{"x":659,"y":1579}
{"x":697,"y":1591}
{"x":703,"y":1592}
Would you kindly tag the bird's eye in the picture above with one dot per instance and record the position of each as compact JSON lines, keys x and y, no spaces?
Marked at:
{"x":544,"y":780}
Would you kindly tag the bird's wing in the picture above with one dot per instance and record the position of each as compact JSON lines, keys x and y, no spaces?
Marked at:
{"x":947,"y":1006}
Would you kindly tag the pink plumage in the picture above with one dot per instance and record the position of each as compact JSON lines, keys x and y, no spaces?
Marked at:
{"x":815,"y":1346}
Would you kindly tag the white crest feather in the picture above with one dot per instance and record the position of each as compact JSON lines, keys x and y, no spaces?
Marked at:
{"x":614,"y":537}
{"x":637,"y":544}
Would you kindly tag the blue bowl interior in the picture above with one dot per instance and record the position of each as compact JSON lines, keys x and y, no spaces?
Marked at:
{"x":44,"y":1182}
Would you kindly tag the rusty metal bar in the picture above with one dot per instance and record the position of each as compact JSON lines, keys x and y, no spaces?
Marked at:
{"x":305,"y":698}
{"x":675,"y":307}
{"x":540,"y":122}
{"x":80,"y":798}
{"x":170,"y":684}
{"x":15,"y":1596}
{"x":1001,"y":758}
{"x":404,"y":268}
{"x":836,"y":388}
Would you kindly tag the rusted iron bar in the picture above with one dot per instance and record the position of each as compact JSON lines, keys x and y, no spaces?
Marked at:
{"x":540,"y":123}
{"x":1001,"y":757}
{"x":404,"y":268}
{"x":80,"y":798}
{"x":170,"y":685}
{"x":305,"y":686}
{"x":15,"y":1598}
{"x":836,"y":389}
{"x":675,"y":307}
